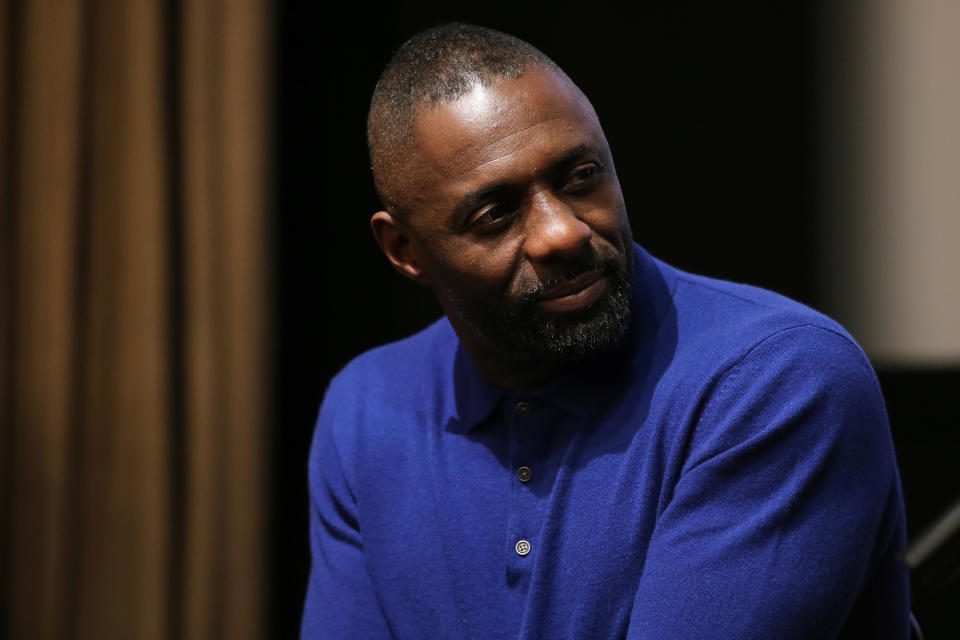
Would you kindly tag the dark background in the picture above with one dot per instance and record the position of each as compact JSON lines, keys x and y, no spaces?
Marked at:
{"x":713,"y":112}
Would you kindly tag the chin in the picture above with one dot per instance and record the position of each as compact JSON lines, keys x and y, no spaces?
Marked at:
{"x":528,"y":335}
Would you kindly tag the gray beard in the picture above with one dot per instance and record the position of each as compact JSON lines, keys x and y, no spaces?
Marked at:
{"x":529,"y":335}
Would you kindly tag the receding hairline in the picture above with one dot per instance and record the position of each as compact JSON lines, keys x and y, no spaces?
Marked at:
{"x":435,"y":67}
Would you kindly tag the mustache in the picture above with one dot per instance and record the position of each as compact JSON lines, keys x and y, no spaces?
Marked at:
{"x":570,"y":270}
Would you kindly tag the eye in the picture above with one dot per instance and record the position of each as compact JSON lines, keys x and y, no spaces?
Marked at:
{"x":492,"y":217}
{"x":582,"y":178}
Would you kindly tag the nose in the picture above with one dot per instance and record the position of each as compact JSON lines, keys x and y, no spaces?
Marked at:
{"x":554,"y":230}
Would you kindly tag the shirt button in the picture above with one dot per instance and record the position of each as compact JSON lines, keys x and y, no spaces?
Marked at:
{"x":523,"y":547}
{"x":524,"y":409}
{"x":524,"y":474}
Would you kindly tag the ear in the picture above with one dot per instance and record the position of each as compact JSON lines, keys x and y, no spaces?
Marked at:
{"x":397,"y":244}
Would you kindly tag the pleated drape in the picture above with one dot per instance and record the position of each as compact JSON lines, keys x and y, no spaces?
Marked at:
{"x":134,"y":274}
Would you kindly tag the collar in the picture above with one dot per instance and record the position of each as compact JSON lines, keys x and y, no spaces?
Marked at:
{"x":587,"y":388}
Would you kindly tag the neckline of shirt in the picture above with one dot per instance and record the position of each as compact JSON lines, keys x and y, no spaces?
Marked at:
{"x":582,"y":390}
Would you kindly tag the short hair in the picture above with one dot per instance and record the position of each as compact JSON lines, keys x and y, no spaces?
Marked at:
{"x":436,"y":66}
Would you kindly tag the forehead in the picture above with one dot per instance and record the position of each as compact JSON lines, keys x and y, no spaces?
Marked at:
{"x":502,"y":131}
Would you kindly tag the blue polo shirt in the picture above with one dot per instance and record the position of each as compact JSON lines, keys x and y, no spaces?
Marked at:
{"x":727,"y":473}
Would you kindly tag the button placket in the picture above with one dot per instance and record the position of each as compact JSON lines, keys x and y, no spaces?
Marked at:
{"x":526,"y":422}
{"x":524,"y":409}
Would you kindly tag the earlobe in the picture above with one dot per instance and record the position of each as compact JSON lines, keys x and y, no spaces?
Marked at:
{"x":397,"y":244}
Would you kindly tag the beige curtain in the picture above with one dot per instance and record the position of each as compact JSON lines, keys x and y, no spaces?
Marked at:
{"x":134,"y":279}
{"x":891,"y":158}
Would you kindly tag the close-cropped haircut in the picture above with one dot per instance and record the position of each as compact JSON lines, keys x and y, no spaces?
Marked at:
{"x":436,"y":66}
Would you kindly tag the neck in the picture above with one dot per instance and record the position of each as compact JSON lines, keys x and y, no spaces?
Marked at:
{"x":499,"y":369}
{"x":505,"y":374}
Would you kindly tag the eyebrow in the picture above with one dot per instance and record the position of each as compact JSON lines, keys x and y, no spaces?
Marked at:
{"x":571,"y":155}
{"x":477,"y":196}
{"x":474,"y":198}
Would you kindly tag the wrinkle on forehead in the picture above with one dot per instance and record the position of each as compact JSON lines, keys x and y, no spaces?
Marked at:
{"x":489,"y":116}
{"x":495,"y":156}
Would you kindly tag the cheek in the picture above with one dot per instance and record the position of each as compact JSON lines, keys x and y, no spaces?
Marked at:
{"x":609,"y":222}
{"x":477,"y":271}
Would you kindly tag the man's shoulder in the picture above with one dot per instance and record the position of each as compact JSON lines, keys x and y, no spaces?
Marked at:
{"x":395,"y":384}
{"x":371,"y":404}
{"x":740,"y":316}
{"x":411,"y":361}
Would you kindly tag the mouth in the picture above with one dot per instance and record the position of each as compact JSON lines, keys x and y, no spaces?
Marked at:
{"x":577,"y":293}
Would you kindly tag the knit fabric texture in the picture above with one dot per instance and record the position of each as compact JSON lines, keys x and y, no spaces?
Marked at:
{"x":727,"y":473}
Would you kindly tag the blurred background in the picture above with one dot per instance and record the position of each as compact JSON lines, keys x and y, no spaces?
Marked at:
{"x":185,"y":259}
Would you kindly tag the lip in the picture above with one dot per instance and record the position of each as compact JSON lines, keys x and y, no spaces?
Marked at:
{"x":574,"y":294}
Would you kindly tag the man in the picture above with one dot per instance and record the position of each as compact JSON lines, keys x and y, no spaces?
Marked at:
{"x":591,"y":443}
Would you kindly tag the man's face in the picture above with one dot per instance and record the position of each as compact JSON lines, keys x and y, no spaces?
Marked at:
{"x":518,"y":221}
